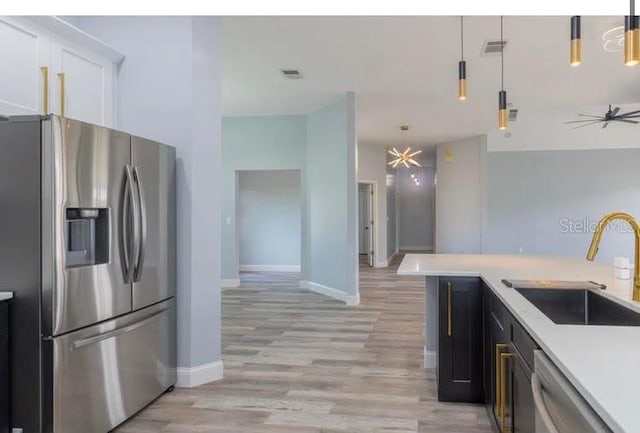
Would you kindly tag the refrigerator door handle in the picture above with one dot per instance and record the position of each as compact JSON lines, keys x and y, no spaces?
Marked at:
{"x":130,"y":229}
{"x":142,"y":240}
{"x":115,"y":332}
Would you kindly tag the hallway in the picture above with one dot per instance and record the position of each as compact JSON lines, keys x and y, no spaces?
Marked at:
{"x":300,"y":362}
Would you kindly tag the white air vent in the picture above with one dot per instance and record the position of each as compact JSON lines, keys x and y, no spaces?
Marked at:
{"x":492,"y":47}
{"x":513,"y":114}
{"x":292,"y":74}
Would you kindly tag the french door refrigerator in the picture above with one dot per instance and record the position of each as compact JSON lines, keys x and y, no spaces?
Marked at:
{"x":87,"y":244}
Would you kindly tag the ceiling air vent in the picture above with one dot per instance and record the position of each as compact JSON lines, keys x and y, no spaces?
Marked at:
{"x":292,"y":74}
{"x":513,"y":114}
{"x":492,"y":47}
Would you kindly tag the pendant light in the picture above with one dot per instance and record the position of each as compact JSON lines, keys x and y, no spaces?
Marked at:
{"x":631,"y":37}
{"x":576,"y":41}
{"x":462,"y":66}
{"x":502,"y":95}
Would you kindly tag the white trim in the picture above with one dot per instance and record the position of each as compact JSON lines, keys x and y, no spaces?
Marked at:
{"x":269,"y":268}
{"x":230,"y":282}
{"x":68,"y":31}
{"x":351,"y":301}
{"x":190,"y":377}
{"x":416,"y":247}
{"x":382,"y":264}
{"x":430,"y":358}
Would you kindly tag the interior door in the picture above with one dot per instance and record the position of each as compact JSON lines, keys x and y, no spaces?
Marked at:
{"x":83,"y":181}
{"x":154,"y":171}
{"x":370,"y":213}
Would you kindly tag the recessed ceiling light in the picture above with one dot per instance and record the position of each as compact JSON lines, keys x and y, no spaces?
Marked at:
{"x":292,"y":74}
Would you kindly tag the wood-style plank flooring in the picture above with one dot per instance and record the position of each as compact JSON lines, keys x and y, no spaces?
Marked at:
{"x":300,"y":362}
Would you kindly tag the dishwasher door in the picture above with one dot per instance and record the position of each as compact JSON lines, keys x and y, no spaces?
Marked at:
{"x":559,"y":407}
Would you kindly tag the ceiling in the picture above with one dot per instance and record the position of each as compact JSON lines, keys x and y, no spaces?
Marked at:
{"x":404,"y":71}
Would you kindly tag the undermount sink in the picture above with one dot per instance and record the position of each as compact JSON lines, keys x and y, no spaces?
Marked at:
{"x":580,"y":307}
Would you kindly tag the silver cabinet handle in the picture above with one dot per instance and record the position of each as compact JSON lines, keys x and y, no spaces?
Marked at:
{"x":143,"y":226}
{"x":538,"y":399}
{"x":114,"y":333}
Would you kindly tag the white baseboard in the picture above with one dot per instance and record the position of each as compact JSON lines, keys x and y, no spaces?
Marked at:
{"x":351,"y":301}
{"x":190,"y":377}
{"x":430,"y":358}
{"x":416,"y":248}
{"x":269,"y":268}
{"x":230,"y":282}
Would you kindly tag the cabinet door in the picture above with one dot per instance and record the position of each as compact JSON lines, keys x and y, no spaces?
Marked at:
{"x":522,"y":405}
{"x":4,"y":366}
{"x":87,"y":92}
{"x":460,"y":340}
{"x":23,"y":52}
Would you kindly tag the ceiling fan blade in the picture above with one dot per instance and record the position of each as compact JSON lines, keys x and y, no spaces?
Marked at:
{"x":629,"y":113}
{"x":635,"y":116}
{"x":615,"y":111}
{"x":584,"y":121}
{"x":605,"y":125}
{"x":590,"y":123}
{"x":626,"y":121}
{"x":589,"y":115}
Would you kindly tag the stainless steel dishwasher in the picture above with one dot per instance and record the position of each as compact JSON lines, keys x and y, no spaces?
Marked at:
{"x":559,"y":407}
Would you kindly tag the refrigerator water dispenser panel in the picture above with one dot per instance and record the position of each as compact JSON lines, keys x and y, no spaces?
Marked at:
{"x":87,"y":237}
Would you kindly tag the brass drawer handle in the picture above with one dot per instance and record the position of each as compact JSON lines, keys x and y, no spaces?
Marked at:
{"x":449,"y":308}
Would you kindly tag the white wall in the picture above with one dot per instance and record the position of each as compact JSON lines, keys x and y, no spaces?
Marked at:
{"x":269,"y":218}
{"x":416,"y":208}
{"x":372,"y":161}
{"x":169,"y":89}
{"x":330,"y":238}
{"x":460,"y":196}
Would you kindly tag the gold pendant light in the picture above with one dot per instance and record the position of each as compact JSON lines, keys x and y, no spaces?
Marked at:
{"x":631,"y":37}
{"x":462,"y":66}
{"x":503,"y":120}
{"x":576,"y":41}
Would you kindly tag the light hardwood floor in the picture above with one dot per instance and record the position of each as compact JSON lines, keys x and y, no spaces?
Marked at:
{"x":299,"y":362}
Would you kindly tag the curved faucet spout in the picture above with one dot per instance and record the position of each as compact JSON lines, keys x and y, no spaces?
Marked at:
{"x":597,"y":236}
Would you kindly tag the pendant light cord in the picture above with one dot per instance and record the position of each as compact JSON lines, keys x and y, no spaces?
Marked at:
{"x":632,"y":6}
{"x":462,"y":38}
{"x":502,"y":54}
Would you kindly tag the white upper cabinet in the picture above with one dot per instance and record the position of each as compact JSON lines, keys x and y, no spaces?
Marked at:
{"x":87,"y":81}
{"x":23,"y":52}
{"x":49,"y":66}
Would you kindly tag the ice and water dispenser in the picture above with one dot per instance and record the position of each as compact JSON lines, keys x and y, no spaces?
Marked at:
{"x":87,"y":236}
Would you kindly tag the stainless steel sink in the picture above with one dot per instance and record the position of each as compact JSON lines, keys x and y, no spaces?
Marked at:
{"x":580,"y":307}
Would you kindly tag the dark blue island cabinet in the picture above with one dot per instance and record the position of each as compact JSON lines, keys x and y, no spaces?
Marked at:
{"x":4,"y":366}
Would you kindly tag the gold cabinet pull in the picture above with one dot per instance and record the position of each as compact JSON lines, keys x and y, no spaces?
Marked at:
{"x":449,"y":308}
{"x":45,"y":89}
{"x":62,"y":92}
{"x":503,"y":392}
{"x":499,"y":348}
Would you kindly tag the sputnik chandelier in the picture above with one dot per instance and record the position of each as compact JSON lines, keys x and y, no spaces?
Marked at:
{"x":405,"y":158}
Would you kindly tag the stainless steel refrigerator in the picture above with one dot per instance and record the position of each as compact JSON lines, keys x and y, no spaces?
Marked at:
{"x":87,"y":244}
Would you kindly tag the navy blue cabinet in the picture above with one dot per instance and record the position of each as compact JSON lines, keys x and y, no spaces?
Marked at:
{"x":4,"y":367}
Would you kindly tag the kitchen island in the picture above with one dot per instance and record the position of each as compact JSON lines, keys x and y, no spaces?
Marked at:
{"x":601,"y":362}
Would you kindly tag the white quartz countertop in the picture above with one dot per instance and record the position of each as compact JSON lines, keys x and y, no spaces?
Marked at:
{"x":5,"y":296}
{"x":602,"y":362}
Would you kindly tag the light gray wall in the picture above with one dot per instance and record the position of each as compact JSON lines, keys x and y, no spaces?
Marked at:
{"x":460,"y":196}
{"x":372,"y":163}
{"x":392,"y":211}
{"x":532,"y":197}
{"x":169,"y":89}
{"x":255,"y":143}
{"x":415,"y":208}
{"x":330,"y":248}
{"x":269,"y":217}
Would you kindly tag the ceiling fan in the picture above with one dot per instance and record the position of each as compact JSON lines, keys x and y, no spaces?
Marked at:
{"x":610,"y":116}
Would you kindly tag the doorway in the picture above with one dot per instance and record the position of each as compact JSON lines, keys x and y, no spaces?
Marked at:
{"x":365,"y":222}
